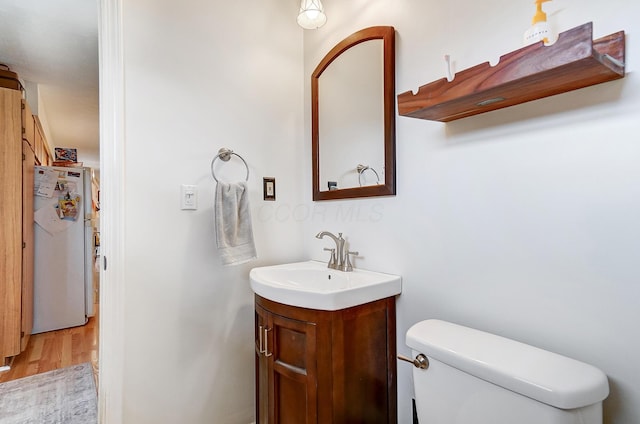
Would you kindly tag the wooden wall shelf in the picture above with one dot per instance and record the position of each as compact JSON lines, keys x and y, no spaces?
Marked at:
{"x":574,"y":61}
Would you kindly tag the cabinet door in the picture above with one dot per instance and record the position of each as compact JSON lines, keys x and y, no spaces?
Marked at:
{"x":27,"y":246}
{"x":293,"y":371}
{"x":11,"y":221}
{"x":286,"y":370}
{"x":262,"y":368}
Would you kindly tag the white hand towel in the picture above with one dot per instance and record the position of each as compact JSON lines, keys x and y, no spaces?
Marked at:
{"x":234,"y":234}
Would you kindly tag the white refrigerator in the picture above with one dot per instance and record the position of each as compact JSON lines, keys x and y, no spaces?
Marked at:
{"x":63,"y":248}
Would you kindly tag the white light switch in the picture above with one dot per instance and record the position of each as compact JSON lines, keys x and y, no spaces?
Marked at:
{"x":188,"y":197}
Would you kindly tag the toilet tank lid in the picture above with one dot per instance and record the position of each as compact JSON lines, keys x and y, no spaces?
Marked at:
{"x":536,"y":373}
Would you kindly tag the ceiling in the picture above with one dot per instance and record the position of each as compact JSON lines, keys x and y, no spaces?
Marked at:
{"x":53,"y":45}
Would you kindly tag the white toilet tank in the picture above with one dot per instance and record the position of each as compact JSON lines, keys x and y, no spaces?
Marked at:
{"x":480,"y":378}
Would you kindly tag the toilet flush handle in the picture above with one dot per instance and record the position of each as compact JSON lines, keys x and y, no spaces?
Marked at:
{"x":421,"y":361}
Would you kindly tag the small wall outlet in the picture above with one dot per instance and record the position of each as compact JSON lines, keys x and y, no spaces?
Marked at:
{"x":269,"y":188}
{"x":188,"y":197}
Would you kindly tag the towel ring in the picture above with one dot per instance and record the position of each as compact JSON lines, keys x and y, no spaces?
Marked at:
{"x":224,"y":154}
{"x":361,"y":168}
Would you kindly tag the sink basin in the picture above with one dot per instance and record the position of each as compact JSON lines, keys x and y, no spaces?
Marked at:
{"x":312,"y":285}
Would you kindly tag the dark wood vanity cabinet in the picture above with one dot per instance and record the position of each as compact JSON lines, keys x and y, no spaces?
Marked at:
{"x":316,"y":366}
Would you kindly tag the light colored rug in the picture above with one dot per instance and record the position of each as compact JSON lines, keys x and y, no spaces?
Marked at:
{"x":64,"y":396}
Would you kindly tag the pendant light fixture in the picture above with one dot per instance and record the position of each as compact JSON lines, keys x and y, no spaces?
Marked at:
{"x":311,"y":14}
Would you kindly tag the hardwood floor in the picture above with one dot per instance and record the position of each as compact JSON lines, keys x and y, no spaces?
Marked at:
{"x":57,"y":349}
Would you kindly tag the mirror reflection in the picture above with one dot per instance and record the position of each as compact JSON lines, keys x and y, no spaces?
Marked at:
{"x":353,"y":117}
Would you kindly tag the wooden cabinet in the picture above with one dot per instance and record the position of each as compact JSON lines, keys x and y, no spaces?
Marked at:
{"x":33,"y":134}
{"x":317,"y":366}
{"x":16,"y":217}
{"x":43,"y":153}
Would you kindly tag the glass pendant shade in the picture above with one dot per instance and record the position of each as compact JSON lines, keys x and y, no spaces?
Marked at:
{"x":311,"y":14}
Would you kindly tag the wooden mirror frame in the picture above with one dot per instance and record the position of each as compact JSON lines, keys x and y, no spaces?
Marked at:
{"x":387,"y":35}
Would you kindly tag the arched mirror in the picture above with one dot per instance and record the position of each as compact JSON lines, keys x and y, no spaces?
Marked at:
{"x":353,"y":117}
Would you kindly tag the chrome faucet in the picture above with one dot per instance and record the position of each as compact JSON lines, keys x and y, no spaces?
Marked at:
{"x":339,"y":256}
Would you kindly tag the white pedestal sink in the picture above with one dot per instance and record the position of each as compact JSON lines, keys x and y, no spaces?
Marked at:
{"x":312,"y":285}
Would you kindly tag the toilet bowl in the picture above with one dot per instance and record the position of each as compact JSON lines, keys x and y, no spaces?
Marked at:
{"x":475,"y":377}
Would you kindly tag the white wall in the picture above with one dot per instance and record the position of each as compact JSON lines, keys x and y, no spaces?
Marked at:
{"x":522,"y":222}
{"x":201,"y":76}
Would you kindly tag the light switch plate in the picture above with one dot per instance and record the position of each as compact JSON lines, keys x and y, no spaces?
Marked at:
{"x":188,"y":197}
{"x":269,"y":188}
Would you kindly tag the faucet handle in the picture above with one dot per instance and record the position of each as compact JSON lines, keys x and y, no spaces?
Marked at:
{"x":347,"y":266}
{"x":332,"y":260}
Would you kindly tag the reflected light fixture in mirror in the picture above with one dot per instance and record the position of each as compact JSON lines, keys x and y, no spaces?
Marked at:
{"x":311,"y":14}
